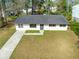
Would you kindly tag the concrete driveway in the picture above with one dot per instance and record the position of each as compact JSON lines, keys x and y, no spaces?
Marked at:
{"x":10,"y":45}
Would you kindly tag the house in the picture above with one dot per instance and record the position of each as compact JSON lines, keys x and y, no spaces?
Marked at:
{"x":75,"y":13}
{"x":42,"y":22}
{"x":53,"y":9}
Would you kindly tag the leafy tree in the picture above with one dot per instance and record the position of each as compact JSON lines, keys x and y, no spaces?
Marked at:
{"x":3,"y":14}
{"x":62,"y":6}
{"x":64,"y":9}
{"x":18,"y":5}
{"x":26,"y":6}
{"x":34,"y":3}
{"x":37,"y":5}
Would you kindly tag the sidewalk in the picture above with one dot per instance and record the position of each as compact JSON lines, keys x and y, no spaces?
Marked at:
{"x":7,"y":50}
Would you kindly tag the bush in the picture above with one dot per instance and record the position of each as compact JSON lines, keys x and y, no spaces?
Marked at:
{"x":12,"y":18}
{"x":77,"y":32}
{"x":75,"y":27}
{"x":0,"y":23}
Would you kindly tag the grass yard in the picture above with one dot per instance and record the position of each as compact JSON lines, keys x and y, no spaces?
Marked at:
{"x":52,"y":45}
{"x":5,"y":34}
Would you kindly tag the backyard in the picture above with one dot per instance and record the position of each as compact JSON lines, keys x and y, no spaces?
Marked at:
{"x":6,"y":33}
{"x":52,"y":45}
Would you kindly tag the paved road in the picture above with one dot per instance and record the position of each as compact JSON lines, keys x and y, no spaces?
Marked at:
{"x":10,"y":45}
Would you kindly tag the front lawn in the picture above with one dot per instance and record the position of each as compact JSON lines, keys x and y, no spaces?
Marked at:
{"x":5,"y":34}
{"x":52,"y":45}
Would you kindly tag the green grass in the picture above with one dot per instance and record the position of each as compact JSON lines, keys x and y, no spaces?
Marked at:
{"x":0,"y":23}
{"x":12,"y":18}
{"x":75,"y":27}
{"x":52,"y":45}
{"x":5,"y":34}
{"x":32,"y":31}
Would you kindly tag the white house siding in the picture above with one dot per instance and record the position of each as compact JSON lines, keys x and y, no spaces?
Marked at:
{"x":46,"y":27}
{"x":27,"y":27}
{"x":75,"y":13}
{"x":57,"y":27}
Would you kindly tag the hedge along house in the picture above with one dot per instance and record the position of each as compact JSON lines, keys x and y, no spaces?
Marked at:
{"x":42,"y":22}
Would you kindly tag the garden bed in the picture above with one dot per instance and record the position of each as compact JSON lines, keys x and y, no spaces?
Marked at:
{"x":32,"y":31}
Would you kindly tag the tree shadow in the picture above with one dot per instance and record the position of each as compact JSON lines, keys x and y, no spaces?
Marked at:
{"x":77,"y":44}
{"x":9,"y":25}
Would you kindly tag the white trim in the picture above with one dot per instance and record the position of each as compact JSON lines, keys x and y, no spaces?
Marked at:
{"x":57,"y":27}
{"x":46,"y":27}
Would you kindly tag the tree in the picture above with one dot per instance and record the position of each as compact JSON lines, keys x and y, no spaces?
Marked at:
{"x":18,"y":5}
{"x":62,"y":6}
{"x":50,"y":4}
{"x":3,"y":13}
{"x":34,"y":3}
{"x":27,"y":3}
{"x":40,"y":7}
{"x":37,"y":6}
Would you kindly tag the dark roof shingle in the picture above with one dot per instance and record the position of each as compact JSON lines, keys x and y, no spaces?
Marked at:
{"x":42,"y":19}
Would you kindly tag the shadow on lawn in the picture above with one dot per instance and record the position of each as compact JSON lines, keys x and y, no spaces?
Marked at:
{"x":9,"y":25}
{"x":77,"y":44}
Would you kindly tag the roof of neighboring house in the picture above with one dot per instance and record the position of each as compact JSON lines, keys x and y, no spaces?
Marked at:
{"x":42,"y":19}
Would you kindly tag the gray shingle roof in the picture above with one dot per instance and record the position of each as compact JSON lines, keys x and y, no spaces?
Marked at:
{"x":42,"y":19}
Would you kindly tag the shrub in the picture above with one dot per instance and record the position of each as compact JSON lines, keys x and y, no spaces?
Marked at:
{"x":12,"y":18}
{"x":75,"y":27}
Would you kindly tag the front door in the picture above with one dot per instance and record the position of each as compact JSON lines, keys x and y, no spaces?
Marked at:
{"x":41,"y":26}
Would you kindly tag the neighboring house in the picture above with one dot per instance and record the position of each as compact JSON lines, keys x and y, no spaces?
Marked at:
{"x":53,"y":9}
{"x":75,"y":13}
{"x":24,"y":11}
{"x":42,"y":22}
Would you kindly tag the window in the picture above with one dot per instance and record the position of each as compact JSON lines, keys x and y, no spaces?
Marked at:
{"x":20,"y":25}
{"x":62,"y":25}
{"x":52,"y":25}
{"x":32,"y":25}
